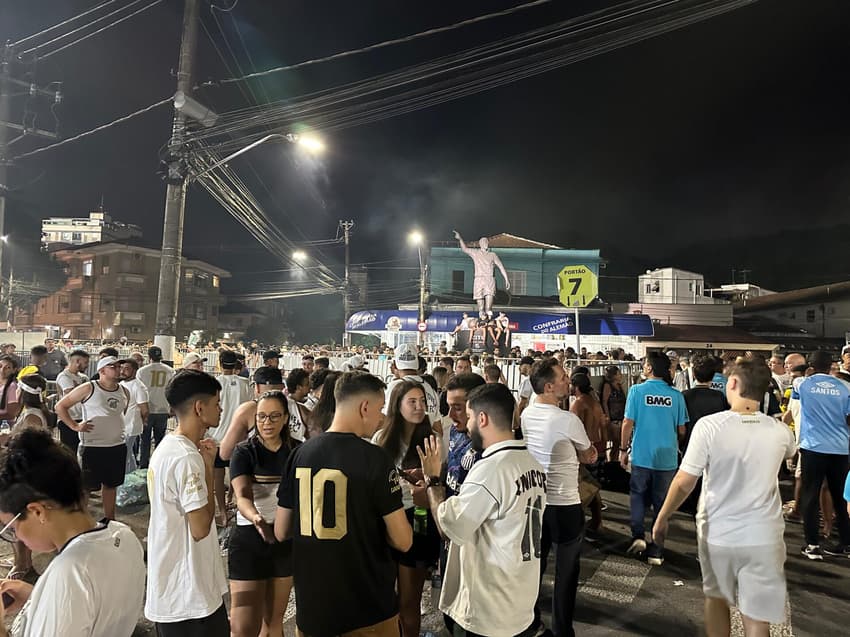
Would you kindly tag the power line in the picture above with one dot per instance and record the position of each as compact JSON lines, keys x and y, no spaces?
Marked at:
{"x":63,"y":23}
{"x":386,"y":43}
{"x":120,"y":120}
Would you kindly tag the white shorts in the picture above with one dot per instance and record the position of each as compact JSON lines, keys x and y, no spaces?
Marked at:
{"x":483,"y":286}
{"x":749,"y":577}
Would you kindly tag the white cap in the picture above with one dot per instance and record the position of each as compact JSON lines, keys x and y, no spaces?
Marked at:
{"x":193,"y":358}
{"x":407,"y":357}
{"x":106,"y":362}
{"x":671,"y":354}
{"x":355,"y":362}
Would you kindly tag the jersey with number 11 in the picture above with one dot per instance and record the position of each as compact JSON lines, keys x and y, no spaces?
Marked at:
{"x":339,"y":488}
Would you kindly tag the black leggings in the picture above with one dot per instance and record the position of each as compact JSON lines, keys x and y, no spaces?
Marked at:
{"x":817,"y":467}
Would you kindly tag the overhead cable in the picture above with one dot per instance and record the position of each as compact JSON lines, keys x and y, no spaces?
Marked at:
{"x":63,"y":23}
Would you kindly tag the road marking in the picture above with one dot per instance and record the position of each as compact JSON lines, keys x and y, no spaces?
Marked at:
{"x":617,"y":579}
{"x":776,"y":630}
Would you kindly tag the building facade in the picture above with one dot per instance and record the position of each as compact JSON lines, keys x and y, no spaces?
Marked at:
{"x":111,"y":291}
{"x":98,"y":227}
{"x":532,"y":267}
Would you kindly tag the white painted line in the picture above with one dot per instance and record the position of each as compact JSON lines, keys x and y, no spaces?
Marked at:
{"x":776,"y":630}
{"x":617,"y":579}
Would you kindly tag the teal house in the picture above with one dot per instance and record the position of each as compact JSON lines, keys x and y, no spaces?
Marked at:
{"x":532,"y":267}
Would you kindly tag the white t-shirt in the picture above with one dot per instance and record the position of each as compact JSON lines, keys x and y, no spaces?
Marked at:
{"x":738,"y":457}
{"x":138,"y":396}
{"x":430,"y":395}
{"x":235,"y":390}
{"x":66,"y":381}
{"x":553,"y":436}
{"x":93,"y":588}
{"x":527,"y":391}
{"x":494,"y":523}
{"x":406,"y":494}
{"x":155,"y":377}
{"x":185,"y":577}
{"x":297,"y":425}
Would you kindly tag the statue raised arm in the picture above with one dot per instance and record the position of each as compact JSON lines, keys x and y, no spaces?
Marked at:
{"x":484,"y":285}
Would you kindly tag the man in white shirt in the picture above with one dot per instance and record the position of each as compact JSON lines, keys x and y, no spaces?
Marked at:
{"x":526,"y":392}
{"x":155,"y":377}
{"x":494,"y":523}
{"x":137,"y":410}
{"x":739,"y":523}
{"x":185,"y":570}
{"x":558,"y":441}
{"x":69,"y":378}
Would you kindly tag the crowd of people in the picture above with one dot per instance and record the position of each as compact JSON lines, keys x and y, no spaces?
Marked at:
{"x":352,"y":489}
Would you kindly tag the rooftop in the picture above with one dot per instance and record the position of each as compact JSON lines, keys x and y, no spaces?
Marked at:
{"x":817,"y":294}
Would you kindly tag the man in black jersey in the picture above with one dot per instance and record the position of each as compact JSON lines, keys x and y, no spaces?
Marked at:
{"x":340,"y":500}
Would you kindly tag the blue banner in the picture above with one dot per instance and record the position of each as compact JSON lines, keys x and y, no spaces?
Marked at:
{"x":592,"y":324}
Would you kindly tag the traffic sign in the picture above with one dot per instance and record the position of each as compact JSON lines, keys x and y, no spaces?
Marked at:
{"x":577,"y":286}
{"x":422,"y":326}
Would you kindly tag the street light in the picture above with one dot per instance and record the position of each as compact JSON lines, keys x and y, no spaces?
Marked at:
{"x":310,"y":143}
{"x":299,"y":255}
{"x":416,"y":238}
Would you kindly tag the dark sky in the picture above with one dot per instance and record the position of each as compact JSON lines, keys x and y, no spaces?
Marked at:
{"x":727,"y":135}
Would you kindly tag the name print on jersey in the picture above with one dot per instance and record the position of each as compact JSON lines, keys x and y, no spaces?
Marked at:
{"x":659,"y":401}
{"x":824,"y":388}
{"x":530,"y":480}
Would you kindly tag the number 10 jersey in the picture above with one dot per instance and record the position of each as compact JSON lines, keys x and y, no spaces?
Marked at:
{"x":339,"y":487}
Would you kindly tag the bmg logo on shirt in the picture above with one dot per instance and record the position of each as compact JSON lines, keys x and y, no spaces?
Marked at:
{"x":659,"y":401}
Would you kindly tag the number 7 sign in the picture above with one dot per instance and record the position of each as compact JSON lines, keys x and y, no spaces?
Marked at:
{"x":577,"y":286}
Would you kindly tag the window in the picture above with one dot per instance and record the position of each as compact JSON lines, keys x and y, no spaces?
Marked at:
{"x":691,"y":286}
{"x":189,"y":275}
{"x":518,"y":282}
{"x":104,"y":269}
{"x":76,"y":236}
{"x":810,"y":316}
{"x":457,"y":281}
{"x":200,"y":312}
{"x":648,"y":288}
{"x":216,"y":281}
{"x":87,"y":267}
{"x":85,"y":304}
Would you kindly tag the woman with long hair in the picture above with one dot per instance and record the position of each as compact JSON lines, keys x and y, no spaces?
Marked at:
{"x":614,"y":406}
{"x":323,"y":413}
{"x":95,"y":584}
{"x":408,"y":425}
{"x":33,"y":413}
{"x":589,"y":411}
{"x":9,"y":405}
{"x":260,"y":567}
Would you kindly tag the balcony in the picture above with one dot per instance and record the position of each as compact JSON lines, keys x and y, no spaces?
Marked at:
{"x":78,"y":282}
{"x":129,"y":318}
{"x":82,"y":319}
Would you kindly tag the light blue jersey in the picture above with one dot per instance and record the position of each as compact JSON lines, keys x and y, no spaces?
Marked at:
{"x":824,"y":406}
{"x":657,"y":410}
{"x":718,"y":382}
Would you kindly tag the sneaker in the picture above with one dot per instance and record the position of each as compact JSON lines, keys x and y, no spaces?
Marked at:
{"x":638,"y":546}
{"x":836,"y":550}
{"x":654,"y":555}
{"x":812,"y":551}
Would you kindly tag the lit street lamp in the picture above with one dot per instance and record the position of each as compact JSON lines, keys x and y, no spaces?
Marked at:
{"x":417,"y":238}
{"x":299,"y":255}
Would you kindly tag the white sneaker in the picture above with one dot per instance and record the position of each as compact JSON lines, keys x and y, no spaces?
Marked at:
{"x":638,"y":546}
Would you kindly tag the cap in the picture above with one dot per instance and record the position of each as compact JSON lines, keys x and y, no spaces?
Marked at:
{"x":355,"y":362}
{"x":107,"y":361}
{"x":155,"y":353}
{"x":268,"y":376}
{"x":228,"y":359}
{"x":407,"y":357}
{"x":189,"y":359}
{"x":671,"y":354}
{"x":845,"y":350}
{"x":270,"y":354}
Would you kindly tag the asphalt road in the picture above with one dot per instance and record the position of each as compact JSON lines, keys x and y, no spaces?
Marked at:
{"x":620,"y":595}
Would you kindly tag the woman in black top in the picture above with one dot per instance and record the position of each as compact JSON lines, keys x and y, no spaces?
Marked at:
{"x":260,"y":568}
{"x":614,"y":405}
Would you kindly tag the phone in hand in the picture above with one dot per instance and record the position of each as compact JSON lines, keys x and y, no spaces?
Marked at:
{"x":8,"y":600}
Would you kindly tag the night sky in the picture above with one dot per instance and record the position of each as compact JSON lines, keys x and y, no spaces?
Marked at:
{"x":723,"y":145}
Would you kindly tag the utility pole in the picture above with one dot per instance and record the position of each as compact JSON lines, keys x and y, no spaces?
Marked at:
{"x":346,"y":290}
{"x":423,"y":270}
{"x":168,"y":294}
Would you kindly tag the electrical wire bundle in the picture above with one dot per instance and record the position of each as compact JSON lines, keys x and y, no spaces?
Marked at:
{"x":471,"y":71}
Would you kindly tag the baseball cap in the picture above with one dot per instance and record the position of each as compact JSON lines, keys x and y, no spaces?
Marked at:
{"x":228,"y":359}
{"x":671,"y":354}
{"x":270,"y":354}
{"x":845,"y":349}
{"x":355,"y":362}
{"x":407,"y":357}
{"x":106,"y":361}
{"x":155,"y":353}
{"x":268,"y":376}
{"x":189,"y":359}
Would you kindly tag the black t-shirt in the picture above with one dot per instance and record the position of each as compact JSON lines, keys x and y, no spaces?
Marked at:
{"x":702,"y":401}
{"x":339,"y":487}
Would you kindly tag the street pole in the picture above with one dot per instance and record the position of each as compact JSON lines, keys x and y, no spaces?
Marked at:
{"x":346,"y":290}
{"x":5,"y":108}
{"x":578,"y":334}
{"x":168,"y":295}
{"x":422,"y":270}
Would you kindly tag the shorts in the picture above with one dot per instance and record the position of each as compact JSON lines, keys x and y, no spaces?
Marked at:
{"x":103,"y":466}
{"x":215,"y":625}
{"x":220,"y":463}
{"x":425,"y":551}
{"x":250,"y":558}
{"x":749,"y":577}
{"x":483,"y":286}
